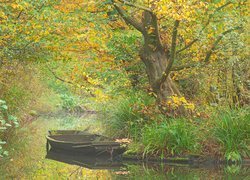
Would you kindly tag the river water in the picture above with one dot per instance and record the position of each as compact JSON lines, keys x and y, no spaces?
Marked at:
{"x":29,"y":159}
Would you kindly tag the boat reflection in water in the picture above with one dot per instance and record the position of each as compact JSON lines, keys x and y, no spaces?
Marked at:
{"x":87,"y":161}
{"x":138,"y":170}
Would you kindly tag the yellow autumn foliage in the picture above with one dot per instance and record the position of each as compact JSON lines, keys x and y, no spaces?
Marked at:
{"x":175,"y":102}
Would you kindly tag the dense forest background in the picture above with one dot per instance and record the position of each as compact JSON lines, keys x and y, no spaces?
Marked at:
{"x":173,"y":76}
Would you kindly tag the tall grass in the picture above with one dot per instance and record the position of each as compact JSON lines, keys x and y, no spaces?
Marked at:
{"x":232,"y":131}
{"x":173,"y":137}
{"x":125,"y":118}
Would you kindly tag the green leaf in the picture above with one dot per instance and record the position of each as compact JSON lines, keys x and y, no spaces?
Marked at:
{"x":12,"y":118}
{"x":8,"y":125}
{"x":5,"y":153}
{"x":2,"y":102}
{"x":4,"y":107}
{"x":3,"y":128}
{"x":2,"y":142}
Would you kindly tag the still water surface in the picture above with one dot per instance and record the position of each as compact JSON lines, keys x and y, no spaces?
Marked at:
{"x":102,"y":168}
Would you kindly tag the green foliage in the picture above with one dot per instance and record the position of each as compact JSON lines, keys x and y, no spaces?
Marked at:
{"x":6,"y":122}
{"x":233,"y":169}
{"x":174,"y":137}
{"x":17,"y":96}
{"x":58,"y":87}
{"x":232,"y":131}
{"x":124,"y":46}
{"x":69,"y":102}
{"x":125,"y":116}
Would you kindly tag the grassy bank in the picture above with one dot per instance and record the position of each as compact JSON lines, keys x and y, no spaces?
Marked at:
{"x":222,"y":134}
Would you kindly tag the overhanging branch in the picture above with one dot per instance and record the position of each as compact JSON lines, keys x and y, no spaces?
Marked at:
{"x":135,"y":5}
{"x":57,"y":77}
{"x":128,"y":19}
{"x":65,"y":81}
{"x":216,"y":10}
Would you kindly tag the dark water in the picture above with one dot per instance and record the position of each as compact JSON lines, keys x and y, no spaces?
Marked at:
{"x":121,"y":169}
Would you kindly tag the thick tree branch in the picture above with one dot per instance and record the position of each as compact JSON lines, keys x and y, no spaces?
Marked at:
{"x":135,"y":5}
{"x":156,"y":29}
{"x":128,"y":19}
{"x":172,"y":55}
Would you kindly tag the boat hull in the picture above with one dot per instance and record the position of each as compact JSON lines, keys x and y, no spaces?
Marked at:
{"x":85,"y":144}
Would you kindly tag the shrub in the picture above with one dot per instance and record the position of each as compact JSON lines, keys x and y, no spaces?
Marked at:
{"x":232,"y":131}
{"x":69,"y":102}
{"x":174,"y":137}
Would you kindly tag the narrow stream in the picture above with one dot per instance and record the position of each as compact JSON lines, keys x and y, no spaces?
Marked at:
{"x":30,"y":160}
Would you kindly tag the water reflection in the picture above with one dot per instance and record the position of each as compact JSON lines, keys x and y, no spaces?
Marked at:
{"x":138,"y":170}
{"x":87,"y":161}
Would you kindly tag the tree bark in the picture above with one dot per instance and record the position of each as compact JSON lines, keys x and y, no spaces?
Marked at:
{"x":156,"y":58}
{"x":155,"y":63}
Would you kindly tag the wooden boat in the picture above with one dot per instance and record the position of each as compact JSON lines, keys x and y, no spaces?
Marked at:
{"x":82,"y":142}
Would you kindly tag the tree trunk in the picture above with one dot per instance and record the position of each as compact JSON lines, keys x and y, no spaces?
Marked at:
{"x":156,"y":58}
{"x":156,"y":63}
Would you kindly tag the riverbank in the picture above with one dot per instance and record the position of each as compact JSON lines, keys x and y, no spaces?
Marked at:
{"x":220,"y":134}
